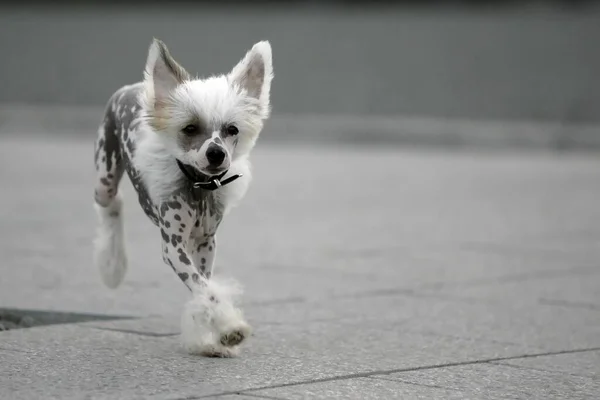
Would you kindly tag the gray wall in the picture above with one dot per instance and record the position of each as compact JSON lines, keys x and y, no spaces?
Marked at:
{"x":436,"y":62}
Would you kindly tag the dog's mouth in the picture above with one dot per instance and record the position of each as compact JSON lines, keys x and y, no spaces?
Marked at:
{"x":197,"y":174}
{"x":213,"y":171}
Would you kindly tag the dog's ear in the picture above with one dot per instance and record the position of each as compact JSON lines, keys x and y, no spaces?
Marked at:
{"x":162,"y":73}
{"x":254,"y":74}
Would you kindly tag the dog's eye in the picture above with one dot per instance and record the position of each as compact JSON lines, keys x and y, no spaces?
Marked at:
{"x":232,"y":130}
{"x":190,"y":129}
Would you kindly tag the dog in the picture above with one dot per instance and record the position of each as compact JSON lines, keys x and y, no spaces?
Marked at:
{"x":184,"y":143}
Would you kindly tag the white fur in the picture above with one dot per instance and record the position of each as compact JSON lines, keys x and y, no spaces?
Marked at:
{"x":231,"y":195}
{"x":211,"y":315}
{"x":155,"y":165}
{"x":109,"y":247}
{"x":162,"y":176}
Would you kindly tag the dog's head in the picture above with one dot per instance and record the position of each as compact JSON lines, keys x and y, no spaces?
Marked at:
{"x":208,"y":123}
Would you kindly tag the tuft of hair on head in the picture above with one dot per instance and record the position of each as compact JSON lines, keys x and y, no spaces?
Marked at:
{"x":162,"y":75}
{"x":253,"y":76}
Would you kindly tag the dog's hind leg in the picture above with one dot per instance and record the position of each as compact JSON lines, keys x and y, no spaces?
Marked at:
{"x":109,"y":246}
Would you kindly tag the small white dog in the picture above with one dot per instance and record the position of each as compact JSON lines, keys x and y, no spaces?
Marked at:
{"x":184,"y":143}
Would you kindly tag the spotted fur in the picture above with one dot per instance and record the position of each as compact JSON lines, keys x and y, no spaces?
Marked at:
{"x":145,"y":130}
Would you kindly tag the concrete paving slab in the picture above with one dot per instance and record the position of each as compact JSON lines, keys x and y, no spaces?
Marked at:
{"x":69,"y":361}
{"x":581,"y":363}
{"x":578,"y":289}
{"x":486,"y":381}
{"x":373,"y":347}
{"x":363,"y":388}
{"x":308,"y":330}
{"x":531,"y":326}
{"x":342,"y":281}
{"x":405,"y":231}
{"x":68,"y":358}
{"x":536,"y":326}
{"x":418,"y":316}
{"x":153,"y":326}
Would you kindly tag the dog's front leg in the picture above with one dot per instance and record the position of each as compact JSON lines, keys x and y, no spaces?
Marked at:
{"x":203,"y":253}
{"x":210,"y":325}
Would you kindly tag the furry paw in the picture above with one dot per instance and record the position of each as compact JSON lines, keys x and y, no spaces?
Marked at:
{"x":216,"y":351}
{"x":235,"y":337}
{"x":211,"y":325}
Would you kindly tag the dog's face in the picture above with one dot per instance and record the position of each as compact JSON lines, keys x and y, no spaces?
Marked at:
{"x":208,"y":123}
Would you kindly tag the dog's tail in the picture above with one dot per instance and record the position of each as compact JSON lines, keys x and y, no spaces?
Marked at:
{"x":109,"y":247}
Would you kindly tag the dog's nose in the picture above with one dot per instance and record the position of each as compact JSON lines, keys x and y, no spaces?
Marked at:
{"x":215,"y":154}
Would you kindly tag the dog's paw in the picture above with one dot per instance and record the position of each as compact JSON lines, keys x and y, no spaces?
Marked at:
{"x":236,"y":336}
{"x":213,"y":351}
{"x":211,"y":325}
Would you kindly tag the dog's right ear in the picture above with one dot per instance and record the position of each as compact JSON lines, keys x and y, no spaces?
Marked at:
{"x":162,"y":73}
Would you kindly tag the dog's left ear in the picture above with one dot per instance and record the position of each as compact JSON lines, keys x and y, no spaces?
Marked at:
{"x":254,"y":74}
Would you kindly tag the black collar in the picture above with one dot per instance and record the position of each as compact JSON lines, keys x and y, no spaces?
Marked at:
{"x":204,"y":182}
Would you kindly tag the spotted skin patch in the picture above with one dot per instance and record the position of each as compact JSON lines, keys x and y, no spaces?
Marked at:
{"x":108,"y":162}
{"x":183,"y":257}
{"x":183,"y":276}
{"x":202,"y":257}
{"x":115,"y":147}
{"x":164,"y":235}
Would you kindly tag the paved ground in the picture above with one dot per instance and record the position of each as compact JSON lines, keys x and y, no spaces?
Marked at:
{"x":369,"y":274}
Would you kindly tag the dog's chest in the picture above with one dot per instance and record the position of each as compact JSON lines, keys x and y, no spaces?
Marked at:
{"x":207,"y":218}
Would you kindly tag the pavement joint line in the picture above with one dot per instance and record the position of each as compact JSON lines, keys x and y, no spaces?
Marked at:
{"x":585,"y":270}
{"x":420,"y":295}
{"x":468,"y":246}
{"x":290,"y":300}
{"x":569,"y":304}
{"x":513,"y":250}
{"x":15,"y":350}
{"x":449,"y":297}
{"x":280,"y":356}
{"x":288,"y":323}
{"x":476,"y":339}
{"x":217,"y":396}
{"x":480,"y":300}
{"x":412,"y":383}
{"x":133,"y":332}
{"x":557,"y":273}
{"x":258,"y":396}
{"x":373,"y":293}
{"x":398,"y":370}
{"x":22,"y":318}
{"x":505,"y":364}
